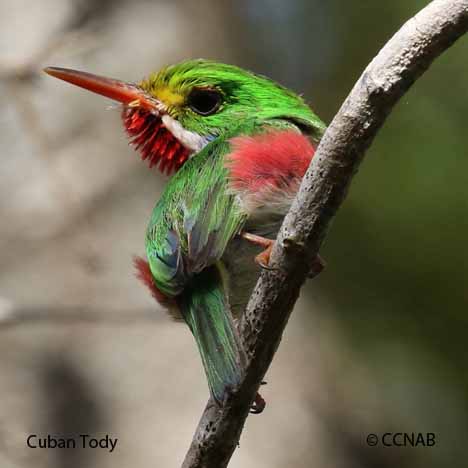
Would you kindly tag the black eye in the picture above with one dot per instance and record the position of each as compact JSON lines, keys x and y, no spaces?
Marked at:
{"x":204,"y":101}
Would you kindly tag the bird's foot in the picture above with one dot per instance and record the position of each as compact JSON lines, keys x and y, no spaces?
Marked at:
{"x":317,"y":266}
{"x":263,"y":258}
{"x":258,"y":404}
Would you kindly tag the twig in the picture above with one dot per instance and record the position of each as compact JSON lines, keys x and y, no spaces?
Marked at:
{"x":397,"y":66}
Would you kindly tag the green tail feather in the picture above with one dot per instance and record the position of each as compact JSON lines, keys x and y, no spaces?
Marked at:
{"x":205,"y":308}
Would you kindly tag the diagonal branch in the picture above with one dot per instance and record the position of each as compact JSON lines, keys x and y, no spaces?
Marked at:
{"x":407,"y":55}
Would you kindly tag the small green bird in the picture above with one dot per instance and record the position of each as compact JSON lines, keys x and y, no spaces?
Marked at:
{"x":238,"y":145}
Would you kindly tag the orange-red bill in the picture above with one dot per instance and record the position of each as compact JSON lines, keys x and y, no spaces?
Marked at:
{"x":126,"y":93}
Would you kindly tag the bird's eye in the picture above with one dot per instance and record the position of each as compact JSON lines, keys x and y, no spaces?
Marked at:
{"x":204,"y":101}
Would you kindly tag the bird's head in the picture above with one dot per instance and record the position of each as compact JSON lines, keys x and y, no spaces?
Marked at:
{"x":175,"y":112}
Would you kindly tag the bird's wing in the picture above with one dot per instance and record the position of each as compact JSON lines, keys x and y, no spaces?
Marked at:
{"x":188,"y":233}
{"x":194,"y":220}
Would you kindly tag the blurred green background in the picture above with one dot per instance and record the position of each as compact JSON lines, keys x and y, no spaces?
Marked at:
{"x":377,"y":343}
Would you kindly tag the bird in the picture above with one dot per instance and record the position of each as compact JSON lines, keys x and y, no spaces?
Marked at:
{"x":236,"y":145}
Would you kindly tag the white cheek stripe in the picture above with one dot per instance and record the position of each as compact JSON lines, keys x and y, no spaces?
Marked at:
{"x":190,"y":140}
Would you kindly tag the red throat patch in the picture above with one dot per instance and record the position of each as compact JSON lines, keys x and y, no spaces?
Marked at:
{"x":269,"y":159}
{"x":154,"y":141}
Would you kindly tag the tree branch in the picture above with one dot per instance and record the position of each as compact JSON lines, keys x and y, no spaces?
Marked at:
{"x":398,"y":65}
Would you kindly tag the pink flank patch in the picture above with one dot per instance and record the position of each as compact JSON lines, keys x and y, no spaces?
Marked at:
{"x":146,"y":277}
{"x":269,"y":159}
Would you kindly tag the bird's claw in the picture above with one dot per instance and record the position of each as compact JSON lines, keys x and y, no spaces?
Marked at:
{"x":317,"y":266}
{"x":258,"y":404}
{"x":263,"y":258}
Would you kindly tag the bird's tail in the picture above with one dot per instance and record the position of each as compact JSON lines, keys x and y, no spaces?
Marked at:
{"x":205,"y":308}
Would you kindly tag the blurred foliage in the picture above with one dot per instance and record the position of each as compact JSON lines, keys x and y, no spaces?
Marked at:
{"x":396,"y":251}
